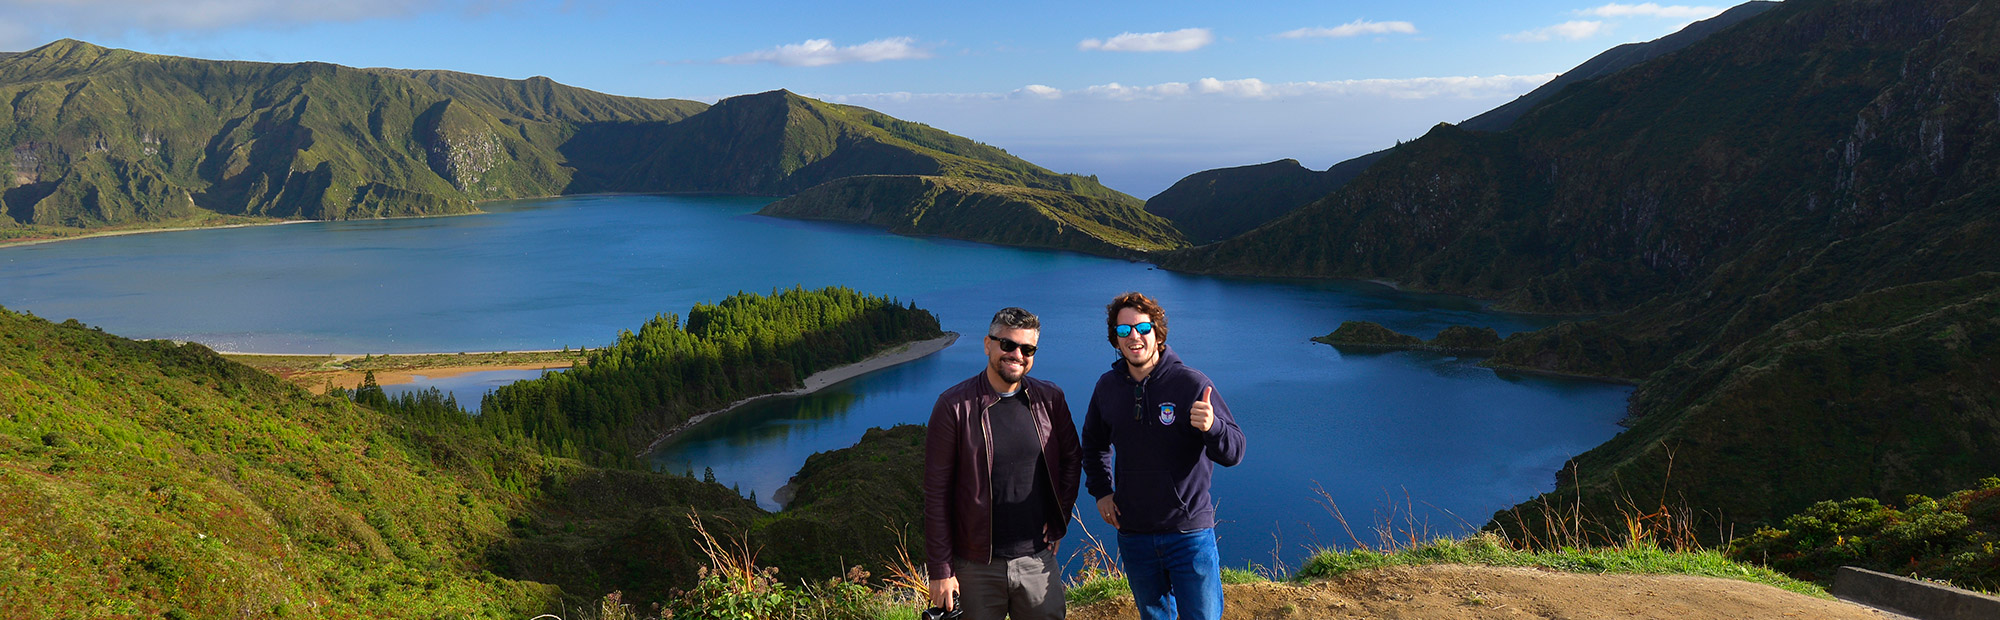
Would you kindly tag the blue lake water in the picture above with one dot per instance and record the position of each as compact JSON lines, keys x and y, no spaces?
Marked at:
{"x":1412,"y":437}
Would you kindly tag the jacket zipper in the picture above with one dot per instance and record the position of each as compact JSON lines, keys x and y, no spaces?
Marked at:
{"x":986,"y":423}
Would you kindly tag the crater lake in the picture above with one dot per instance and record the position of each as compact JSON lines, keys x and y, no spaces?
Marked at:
{"x":1413,"y":439}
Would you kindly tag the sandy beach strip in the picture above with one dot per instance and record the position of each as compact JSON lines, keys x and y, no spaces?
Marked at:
{"x":138,"y":231}
{"x":317,"y":381}
{"x":820,"y":380}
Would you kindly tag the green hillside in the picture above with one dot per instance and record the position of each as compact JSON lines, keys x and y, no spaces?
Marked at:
{"x":1782,"y":166}
{"x":852,"y":506}
{"x":1612,"y":61}
{"x":148,"y":479}
{"x":144,"y":479}
{"x":1885,"y":394}
{"x":986,"y":212}
{"x":106,"y":137}
{"x":777,"y":143}
{"x":1213,"y":205}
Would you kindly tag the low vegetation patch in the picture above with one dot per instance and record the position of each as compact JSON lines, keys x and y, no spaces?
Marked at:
{"x":1491,"y":550}
{"x":1949,"y":539}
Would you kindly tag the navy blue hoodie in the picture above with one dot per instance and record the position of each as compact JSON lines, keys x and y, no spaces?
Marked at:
{"x":1164,"y":462}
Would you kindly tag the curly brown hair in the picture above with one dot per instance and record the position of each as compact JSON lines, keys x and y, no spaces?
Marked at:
{"x":1136,"y":301}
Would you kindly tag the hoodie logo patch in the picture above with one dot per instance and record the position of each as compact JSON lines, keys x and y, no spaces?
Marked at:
{"x":1166,"y":414}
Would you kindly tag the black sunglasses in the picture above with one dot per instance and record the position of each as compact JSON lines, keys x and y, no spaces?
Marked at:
{"x":1125,"y":331}
{"x":1009,"y":346}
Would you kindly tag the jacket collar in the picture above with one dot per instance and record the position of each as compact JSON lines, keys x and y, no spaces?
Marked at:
{"x":983,"y":390}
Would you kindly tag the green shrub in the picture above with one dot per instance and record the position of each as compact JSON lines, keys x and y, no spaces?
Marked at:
{"x":1949,"y":539}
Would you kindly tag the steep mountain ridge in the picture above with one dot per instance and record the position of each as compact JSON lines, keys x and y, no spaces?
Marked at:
{"x":777,"y":143}
{"x":986,"y":212}
{"x":1612,"y":61}
{"x":106,"y":137}
{"x":1213,"y":205}
{"x":1822,"y":155}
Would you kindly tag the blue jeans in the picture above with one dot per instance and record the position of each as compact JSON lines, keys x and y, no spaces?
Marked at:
{"x":1174,"y":575}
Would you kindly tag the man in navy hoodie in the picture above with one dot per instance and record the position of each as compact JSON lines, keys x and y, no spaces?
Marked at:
{"x":1169,"y":430}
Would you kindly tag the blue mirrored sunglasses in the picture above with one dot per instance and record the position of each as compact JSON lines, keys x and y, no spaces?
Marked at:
{"x":1125,"y":331}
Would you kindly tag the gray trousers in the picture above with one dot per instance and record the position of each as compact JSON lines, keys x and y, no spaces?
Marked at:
{"x":1027,"y":588}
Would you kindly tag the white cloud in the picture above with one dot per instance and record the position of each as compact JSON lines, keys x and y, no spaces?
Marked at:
{"x":1242,"y":89}
{"x":1650,"y":9}
{"x":1570,"y":30}
{"x":821,"y":52}
{"x":108,"y":17}
{"x":1354,"y":28}
{"x":1040,"y":91}
{"x":1183,"y":40}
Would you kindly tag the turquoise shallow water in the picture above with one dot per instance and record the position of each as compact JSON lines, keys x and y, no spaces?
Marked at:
{"x":1408,"y":436}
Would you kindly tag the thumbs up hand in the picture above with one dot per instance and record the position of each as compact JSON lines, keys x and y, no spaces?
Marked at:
{"x":1202,"y":414}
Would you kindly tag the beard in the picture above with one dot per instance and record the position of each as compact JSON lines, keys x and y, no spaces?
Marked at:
{"x":1141,"y":357}
{"x":1008,"y":374}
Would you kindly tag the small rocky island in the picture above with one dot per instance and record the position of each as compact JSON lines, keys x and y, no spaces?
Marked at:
{"x":1454,"y":340}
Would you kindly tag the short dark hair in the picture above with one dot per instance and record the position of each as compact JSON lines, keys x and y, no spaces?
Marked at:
{"x":1013,"y":318}
{"x":1136,"y":301}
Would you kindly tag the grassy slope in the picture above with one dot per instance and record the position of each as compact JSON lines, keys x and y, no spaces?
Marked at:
{"x":852,"y":506}
{"x":1885,"y":394}
{"x":987,"y":212}
{"x":141,"y":478}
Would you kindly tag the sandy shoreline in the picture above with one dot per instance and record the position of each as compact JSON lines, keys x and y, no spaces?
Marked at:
{"x":351,"y":378}
{"x":140,"y":231}
{"x":820,"y":380}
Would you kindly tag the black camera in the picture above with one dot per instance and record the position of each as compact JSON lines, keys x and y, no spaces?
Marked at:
{"x":939,"y":613}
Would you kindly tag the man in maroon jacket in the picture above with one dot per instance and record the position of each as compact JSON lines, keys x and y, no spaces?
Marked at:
{"x":1001,"y":463}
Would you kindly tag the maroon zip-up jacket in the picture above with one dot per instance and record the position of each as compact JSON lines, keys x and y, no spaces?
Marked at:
{"x":958,"y":468}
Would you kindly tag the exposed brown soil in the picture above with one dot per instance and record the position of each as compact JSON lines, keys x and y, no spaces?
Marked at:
{"x":1451,"y":592}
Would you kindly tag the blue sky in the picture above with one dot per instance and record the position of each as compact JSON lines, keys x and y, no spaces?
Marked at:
{"x":1139,"y":93}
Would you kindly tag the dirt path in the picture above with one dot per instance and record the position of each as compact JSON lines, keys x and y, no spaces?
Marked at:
{"x":1453,"y":592}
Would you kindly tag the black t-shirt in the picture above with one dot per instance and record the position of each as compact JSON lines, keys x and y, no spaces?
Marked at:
{"x":1022,"y":496}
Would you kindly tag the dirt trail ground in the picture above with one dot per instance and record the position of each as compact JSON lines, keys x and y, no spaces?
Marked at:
{"x":1453,"y":592}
